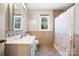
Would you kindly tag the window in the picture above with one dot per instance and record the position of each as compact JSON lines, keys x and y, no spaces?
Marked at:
{"x":17,"y":22}
{"x":44,"y":22}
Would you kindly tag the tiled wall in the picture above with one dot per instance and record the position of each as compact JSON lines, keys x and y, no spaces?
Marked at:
{"x":45,"y":38}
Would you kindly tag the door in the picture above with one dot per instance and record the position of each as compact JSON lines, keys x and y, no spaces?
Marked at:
{"x":1,"y":49}
{"x":2,"y":35}
{"x":3,"y":15}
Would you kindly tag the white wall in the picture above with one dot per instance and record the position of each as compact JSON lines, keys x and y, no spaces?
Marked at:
{"x":34,"y":17}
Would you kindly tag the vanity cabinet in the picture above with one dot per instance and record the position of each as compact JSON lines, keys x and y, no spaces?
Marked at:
{"x":17,"y":50}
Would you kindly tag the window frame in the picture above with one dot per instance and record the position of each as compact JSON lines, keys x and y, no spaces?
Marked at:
{"x":17,"y":15}
{"x":48,"y":22}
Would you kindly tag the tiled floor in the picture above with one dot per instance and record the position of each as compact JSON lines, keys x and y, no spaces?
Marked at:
{"x":47,"y":52}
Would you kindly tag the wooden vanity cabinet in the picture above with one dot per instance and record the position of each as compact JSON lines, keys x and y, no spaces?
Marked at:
{"x":17,"y":50}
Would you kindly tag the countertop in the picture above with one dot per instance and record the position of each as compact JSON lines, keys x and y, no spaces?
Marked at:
{"x":24,"y":40}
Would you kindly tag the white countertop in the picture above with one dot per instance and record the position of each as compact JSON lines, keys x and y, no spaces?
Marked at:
{"x":24,"y":40}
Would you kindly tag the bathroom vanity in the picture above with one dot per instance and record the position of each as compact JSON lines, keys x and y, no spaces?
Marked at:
{"x":17,"y":50}
{"x":25,"y":46}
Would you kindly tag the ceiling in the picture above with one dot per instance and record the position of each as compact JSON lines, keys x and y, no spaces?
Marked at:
{"x":59,"y":6}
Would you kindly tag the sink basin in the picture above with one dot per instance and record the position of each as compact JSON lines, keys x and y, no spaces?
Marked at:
{"x":24,"y":40}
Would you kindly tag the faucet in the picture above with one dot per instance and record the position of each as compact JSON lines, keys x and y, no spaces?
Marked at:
{"x":21,"y":36}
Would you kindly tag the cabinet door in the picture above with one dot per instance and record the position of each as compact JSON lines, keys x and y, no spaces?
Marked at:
{"x":17,"y":50}
{"x":11,"y":50}
{"x":24,"y":50}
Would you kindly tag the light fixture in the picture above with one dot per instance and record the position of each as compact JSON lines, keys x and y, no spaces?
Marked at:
{"x":23,"y":5}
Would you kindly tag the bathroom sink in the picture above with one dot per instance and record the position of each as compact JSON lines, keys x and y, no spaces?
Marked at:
{"x":24,"y":40}
{"x":28,"y":38}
